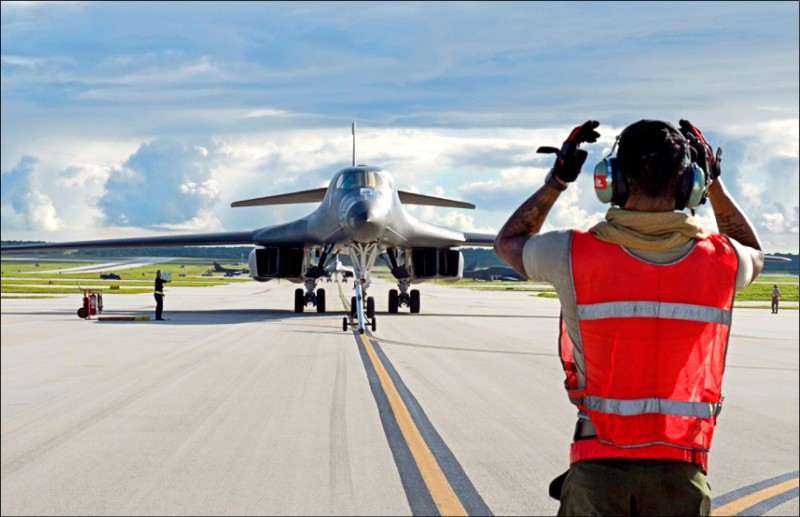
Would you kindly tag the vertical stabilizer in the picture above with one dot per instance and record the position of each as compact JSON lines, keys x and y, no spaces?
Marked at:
{"x":354,"y":144}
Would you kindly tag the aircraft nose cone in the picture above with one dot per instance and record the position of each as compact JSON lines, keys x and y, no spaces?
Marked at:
{"x":365,"y":221}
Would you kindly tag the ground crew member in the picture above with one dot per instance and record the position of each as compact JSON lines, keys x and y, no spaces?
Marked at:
{"x":646,"y":299}
{"x":159,"y":294}
{"x":776,"y":293}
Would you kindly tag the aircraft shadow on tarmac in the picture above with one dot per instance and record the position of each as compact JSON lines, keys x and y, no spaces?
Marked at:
{"x":221,"y":317}
{"x":228,"y":317}
{"x":234,"y":316}
{"x":179,"y":317}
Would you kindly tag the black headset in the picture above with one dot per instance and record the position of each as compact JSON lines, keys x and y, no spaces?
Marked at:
{"x":611,"y":186}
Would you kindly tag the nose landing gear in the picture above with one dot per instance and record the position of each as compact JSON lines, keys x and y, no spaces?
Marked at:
{"x":362,"y":308}
{"x":362,"y":311}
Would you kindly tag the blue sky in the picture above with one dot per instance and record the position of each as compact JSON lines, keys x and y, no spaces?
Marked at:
{"x":124,"y":118}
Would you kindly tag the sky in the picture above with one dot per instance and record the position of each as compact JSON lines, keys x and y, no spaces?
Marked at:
{"x":124,"y":119}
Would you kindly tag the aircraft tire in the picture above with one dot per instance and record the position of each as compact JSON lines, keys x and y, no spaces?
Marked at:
{"x":414,"y":302}
{"x":353,"y":309}
{"x":394,"y":301}
{"x":299,"y":302}
{"x":344,"y":324}
{"x":320,"y":300}
{"x":374,"y":324}
{"x":370,"y":307}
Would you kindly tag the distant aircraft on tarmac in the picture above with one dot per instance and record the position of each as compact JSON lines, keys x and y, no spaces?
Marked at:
{"x":229,"y":271}
{"x":504,"y":273}
{"x":335,"y":270}
{"x":360,"y":214}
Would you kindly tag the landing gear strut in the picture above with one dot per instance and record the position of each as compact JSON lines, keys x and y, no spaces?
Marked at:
{"x":362,"y":307}
{"x":312,"y":276}
{"x":405,"y":297}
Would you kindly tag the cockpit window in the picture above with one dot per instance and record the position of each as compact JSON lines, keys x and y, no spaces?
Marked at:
{"x":359,"y":179}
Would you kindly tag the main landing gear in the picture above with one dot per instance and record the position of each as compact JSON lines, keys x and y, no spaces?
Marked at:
{"x":302,"y":299}
{"x":404,"y":298}
{"x":312,"y":276}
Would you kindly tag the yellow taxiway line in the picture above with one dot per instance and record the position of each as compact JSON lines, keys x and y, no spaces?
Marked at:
{"x":734,"y":507}
{"x":438,"y":486}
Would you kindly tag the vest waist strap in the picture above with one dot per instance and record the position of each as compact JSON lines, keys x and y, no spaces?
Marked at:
{"x":593,"y":449}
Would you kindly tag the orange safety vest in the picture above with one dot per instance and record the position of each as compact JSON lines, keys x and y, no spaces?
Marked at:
{"x":653,"y":339}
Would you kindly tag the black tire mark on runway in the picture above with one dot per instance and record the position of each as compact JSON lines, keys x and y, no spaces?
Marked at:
{"x":778,"y":368}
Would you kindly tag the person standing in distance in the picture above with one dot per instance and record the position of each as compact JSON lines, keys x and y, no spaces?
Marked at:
{"x":776,"y":293}
{"x":646,"y":299}
{"x":159,"y":295}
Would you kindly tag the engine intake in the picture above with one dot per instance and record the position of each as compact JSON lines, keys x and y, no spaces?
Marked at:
{"x":277,"y":262}
{"x":437,"y":263}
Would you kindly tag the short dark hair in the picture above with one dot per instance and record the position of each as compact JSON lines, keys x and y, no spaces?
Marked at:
{"x":651,"y":155}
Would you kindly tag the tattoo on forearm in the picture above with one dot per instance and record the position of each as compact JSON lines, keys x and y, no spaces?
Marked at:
{"x":733,"y":226}
{"x":530,"y":216}
{"x":731,"y":220}
{"x":526,"y":220}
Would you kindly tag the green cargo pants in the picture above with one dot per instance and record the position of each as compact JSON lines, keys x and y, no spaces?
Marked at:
{"x":635,"y":487}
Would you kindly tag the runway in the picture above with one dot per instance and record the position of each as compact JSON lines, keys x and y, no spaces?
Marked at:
{"x":238,"y":406}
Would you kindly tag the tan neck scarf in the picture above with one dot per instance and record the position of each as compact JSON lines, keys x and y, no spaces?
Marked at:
{"x":649,"y":231}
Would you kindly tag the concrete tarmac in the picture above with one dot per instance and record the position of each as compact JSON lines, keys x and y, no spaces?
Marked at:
{"x":238,"y":406}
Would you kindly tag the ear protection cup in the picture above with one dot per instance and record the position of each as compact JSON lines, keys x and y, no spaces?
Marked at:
{"x":609,"y":182}
{"x":691,"y":188}
{"x":611,"y":186}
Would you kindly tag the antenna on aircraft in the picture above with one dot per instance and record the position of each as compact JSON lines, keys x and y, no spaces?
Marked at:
{"x":354,"y":144}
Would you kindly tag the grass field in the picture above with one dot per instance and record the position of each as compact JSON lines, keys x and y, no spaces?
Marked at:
{"x":761,"y":289}
{"x":49,"y":277}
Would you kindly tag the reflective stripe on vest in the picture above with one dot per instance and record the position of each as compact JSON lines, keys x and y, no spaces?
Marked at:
{"x":648,"y":360}
{"x":673,"y":311}
{"x":649,"y":405}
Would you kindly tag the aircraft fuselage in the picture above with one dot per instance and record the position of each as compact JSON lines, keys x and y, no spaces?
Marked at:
{"x":362,"y":206}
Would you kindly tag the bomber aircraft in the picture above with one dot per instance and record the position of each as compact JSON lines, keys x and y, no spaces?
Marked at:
{"x":218,"y":268}
{"x":336,"y":270}
{"x":360,"y":214}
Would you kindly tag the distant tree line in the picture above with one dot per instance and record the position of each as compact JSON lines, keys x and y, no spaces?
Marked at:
{"x":474,"y":258}
{"x":220,"y":253}
{"x":792,"y":267}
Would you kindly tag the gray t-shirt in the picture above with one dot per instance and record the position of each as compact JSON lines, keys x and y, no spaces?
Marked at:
{"x":546,"y":259}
